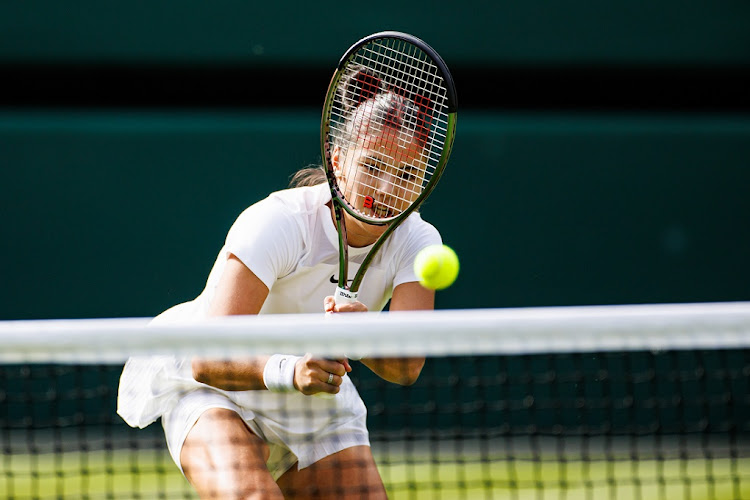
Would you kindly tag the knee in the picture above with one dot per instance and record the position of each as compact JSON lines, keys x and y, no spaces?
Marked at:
{"x":223,"y":459}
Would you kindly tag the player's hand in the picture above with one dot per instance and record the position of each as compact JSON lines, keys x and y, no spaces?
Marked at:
{"x":312,"y":375}
{"x":330,"y":306}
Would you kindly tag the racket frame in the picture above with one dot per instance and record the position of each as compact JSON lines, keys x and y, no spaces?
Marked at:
{"x":349,"y":292}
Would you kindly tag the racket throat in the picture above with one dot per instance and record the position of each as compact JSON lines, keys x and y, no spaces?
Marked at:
{"x":343,"y":295}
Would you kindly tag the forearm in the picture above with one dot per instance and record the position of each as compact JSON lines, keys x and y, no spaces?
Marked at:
{"x":410,"y":296}
{"x":230,"y":375}
{"x":402,"y":371}
{"x":277,"y":373}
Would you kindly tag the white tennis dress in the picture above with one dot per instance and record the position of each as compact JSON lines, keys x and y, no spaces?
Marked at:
{"x":289,"y":241}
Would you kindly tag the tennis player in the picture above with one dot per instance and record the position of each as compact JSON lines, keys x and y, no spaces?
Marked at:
{"x":252,"y":428}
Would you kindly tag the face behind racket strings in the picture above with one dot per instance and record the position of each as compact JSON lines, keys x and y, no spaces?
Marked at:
{"x":387,"y":130}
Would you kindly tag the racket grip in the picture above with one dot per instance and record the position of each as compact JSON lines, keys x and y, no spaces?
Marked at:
{"x":342,"y":296}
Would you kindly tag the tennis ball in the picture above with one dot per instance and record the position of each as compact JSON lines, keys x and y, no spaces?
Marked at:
{"x":436,"y":267}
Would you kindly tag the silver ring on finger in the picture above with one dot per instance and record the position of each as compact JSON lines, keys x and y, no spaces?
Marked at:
{"x":330,"y":378}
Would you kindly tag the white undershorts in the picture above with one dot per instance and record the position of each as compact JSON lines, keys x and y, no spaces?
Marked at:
{"x":331,"y":434}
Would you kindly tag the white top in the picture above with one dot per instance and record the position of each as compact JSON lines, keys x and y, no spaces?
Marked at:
{"x":290,"y":242}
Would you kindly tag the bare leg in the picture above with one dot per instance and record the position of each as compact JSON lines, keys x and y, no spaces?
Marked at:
{"x":224,"y":460}
{"x":348,"y":474}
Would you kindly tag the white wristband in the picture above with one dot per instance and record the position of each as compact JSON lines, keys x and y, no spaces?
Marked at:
{"x":278,"y":374}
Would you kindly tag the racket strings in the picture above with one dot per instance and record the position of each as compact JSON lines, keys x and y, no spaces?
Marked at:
{"x":410,"y":72}
{"x":394,"y":177}
{"x":405,"y":189}
{"x":386,"y":188}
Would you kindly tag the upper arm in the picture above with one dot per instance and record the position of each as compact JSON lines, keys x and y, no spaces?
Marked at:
{"x":411,"y":296}
{"x":408,"y":294}
{"x":239,"y":290}
{"x":267,"y":238}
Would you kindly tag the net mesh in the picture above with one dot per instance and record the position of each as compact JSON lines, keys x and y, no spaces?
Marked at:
{"x":641,"y":402}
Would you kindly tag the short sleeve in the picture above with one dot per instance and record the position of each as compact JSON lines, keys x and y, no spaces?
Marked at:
{"x":267,"y":239}
{"x":419,"y":234}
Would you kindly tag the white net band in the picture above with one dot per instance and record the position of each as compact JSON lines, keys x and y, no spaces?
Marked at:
{"x":433,"y":333}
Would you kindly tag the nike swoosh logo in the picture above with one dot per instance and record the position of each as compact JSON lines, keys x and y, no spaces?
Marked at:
{"x":335,"y":280}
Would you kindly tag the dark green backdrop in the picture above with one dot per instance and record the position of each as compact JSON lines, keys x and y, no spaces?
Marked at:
{"x":109,"y":210}
{"x":122,"y":213}
{"x":533,"y":32}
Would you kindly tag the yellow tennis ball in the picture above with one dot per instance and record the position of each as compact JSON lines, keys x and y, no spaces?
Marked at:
{"x":436,"y":267}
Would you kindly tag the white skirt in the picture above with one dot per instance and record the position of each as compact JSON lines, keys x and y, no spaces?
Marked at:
{"x":303,"y":433}
{"x":297,"y":428}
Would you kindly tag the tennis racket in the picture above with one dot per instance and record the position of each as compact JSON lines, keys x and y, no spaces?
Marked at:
{"x":387,"y":131}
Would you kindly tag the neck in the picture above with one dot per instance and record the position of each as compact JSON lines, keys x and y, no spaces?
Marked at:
{"x":358,"y":234}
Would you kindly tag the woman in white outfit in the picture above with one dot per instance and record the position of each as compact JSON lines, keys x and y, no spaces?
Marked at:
{"x":250,"y":428}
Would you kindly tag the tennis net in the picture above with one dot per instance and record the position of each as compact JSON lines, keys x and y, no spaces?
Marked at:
{"x":607,"y":402}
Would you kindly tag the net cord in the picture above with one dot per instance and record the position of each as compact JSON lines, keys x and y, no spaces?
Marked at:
{"x":415,"y":333}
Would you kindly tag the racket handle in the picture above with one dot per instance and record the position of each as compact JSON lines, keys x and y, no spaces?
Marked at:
{"x":342,"y":296}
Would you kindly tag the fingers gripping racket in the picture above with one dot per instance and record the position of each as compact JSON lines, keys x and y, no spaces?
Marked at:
{"x":387,"y":131}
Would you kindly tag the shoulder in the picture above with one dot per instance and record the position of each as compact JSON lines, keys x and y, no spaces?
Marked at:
{"x":302,"y":199}
{"x":416,"y":228}
{"x":271,"y":236}
{"x":288,"y":207}
{"x":410,"y":237}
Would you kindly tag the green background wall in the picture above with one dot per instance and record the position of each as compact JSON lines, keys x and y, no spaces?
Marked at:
{"x":117,"y":208}
{"x":122,"y":214}
{"x":532,"y":32}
